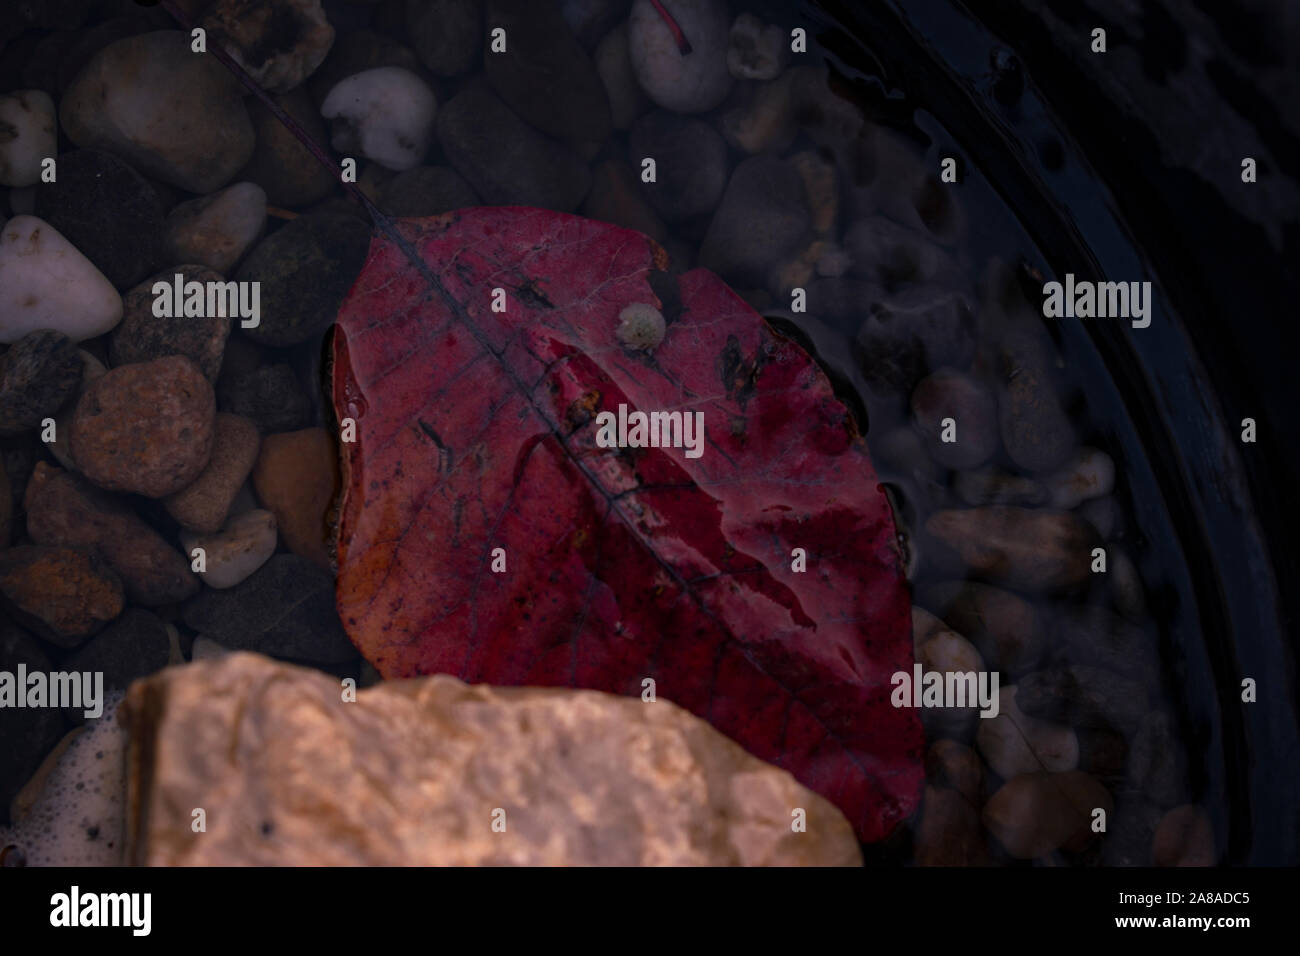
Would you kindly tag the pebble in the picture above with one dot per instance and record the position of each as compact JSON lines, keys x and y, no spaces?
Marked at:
{"x":535,"y":171}
{"x":279,"y":43}
{"x":280,"y":164}
{"x":357,"y":51}
{"x":305,"y":269}
{"x":1023,"y":548}
{"x":1103,"y":514}
{"x":38,"y":374}
{"x":142,"y":336}
{"x":64,"y":594}
{"x":108,"y":211}
{"x":1184,"y":837}
{"x":1090,"y":473}
{"x":766,"y":122}
{"x":64,"y":509}
{"x":1083,"y":696}
{"x":172,"y":114}
{"x":61,"y":448}
{"x":690,"y":163}
{"x":1102,"y":753}
{"x":133,"y":646}
{"x":616,"y":197}
{"x":284,"y":609}
{"x":685,"y":83}
{"x":993,"y":486}
{"x":1014,"y":743}
{"x":386,"y":114}
{"x":146,"y":427}
{"x":924,"y":626}
{"x":821,"y":185}
{"x":1126,"y":590}
{"x":613,"y":63}
{"x":949,"y":832}
{"x":215,"y":231}
{"x":426,"y":191}
{"x":45,"y":283}
{"x":1003,"y":626}
{"x":1129,"y":832}
{"x":1035,"y":813}
{"x":948,"y":652}
{"x":546,"y":78}
{"x":1093,"y":635}
{"x":957,"y":767}
{"x":1157,"y":762}
{"x":762,"y":218}
{"x":203,"y":504}
{"x":950,"y":394}
{"x":270,"y":396}
{"x":591,"y":19}
{"x":829,"y":120}
{"x":1036,"y":431}
{"x":905,"y":336}
{"x":206,"y":649}
{"x":296,"y":477}
{"x":756,"y":51}
{"x":447,"y":34}
{"x":31,"y":136}
{"x":893,"y":255}
{"x":27,"y":733}
{"x":237,"y":550}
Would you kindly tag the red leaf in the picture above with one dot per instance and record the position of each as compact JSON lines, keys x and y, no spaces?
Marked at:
{"x":475,"y":431}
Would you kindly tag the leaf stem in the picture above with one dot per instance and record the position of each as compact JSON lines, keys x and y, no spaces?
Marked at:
{"x":278,"y":112}
{"x":683,"y":44}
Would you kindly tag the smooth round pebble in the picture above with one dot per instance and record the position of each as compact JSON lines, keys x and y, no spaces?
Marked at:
{"x":683,"y":82}
{"x":45,"y":283}
{"x":203,"y":504}
{"x":145,"y":428}
{"x":236,"y":551}
{"x":215,"y":231}
{"x":386,"y":114}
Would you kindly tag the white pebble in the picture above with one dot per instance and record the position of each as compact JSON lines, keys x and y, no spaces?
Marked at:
{"x":1089,"y":474}
{"x":237,"y":550}
{"x":385,"y":113}
{"x":45,"y":283}
{"x":684,"y":82}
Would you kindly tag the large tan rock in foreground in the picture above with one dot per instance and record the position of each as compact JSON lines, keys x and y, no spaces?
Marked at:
{"x":416,"y":772}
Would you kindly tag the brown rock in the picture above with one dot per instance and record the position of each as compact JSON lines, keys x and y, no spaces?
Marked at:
{"x":296,"y":478}
{"x":1002,"y":625}
{"x":957,"y":767}
{"x":142,"y":336}
{"x":280,"y":164}
{"x":1184,"y":837}
{"x":616,"y":198}
{"x":279,"y":42}
{"x":146,"y":427}
{"x":65,"y":509}
{"x":949,"y":833}
{"x":65,"y":594}
{"x":203,"y":505}
{"x":1027,"y":549}
{"x":415,"y":773}
{"x":1035,"y":813}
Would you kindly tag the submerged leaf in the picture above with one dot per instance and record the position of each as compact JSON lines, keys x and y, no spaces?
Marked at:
{"x":485,"y":533}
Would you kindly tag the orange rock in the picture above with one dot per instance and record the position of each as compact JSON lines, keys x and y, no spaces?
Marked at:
{"x":296,"y":478}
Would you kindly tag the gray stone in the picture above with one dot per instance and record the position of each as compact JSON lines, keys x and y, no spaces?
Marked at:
{"x":305,"y":269}
{"x":762,"y":219}
{"x":285,"y":609}
{"x":690,"y":163}
{"x":533,"y":171}
{"x":38,"y":374}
